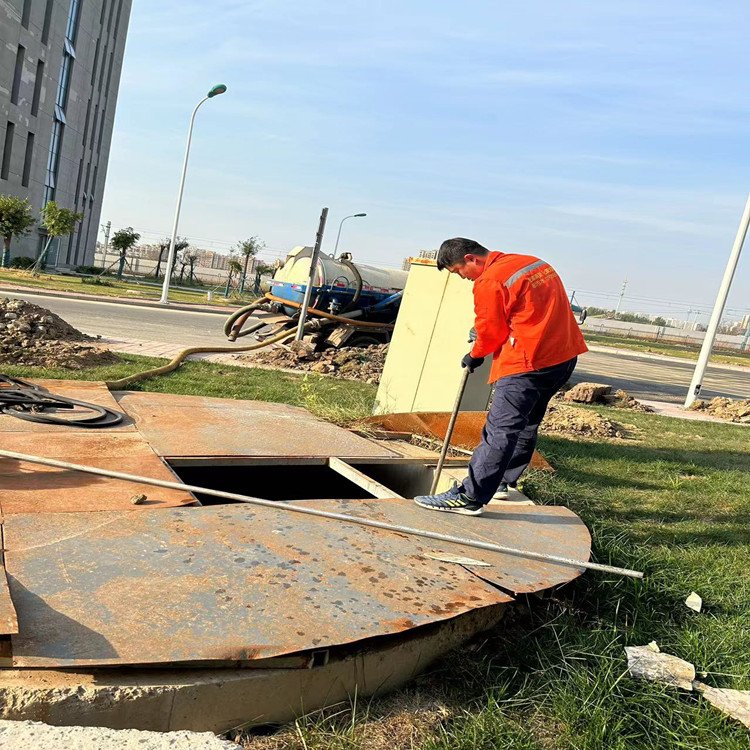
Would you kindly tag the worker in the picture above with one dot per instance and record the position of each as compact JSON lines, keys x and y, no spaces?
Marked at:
{"x":524,"y":320}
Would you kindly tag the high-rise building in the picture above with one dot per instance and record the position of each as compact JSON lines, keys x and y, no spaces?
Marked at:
{"x":60,"y":64}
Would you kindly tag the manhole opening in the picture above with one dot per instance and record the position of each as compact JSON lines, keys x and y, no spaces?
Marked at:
{"x":277,"y":482}
{"x":407,"y":480}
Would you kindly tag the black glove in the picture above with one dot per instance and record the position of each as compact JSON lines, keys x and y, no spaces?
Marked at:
{"x":471,"y":362}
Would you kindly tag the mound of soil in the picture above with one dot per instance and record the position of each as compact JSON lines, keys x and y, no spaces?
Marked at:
{"x":598,"y":393}
{"x":580,"y":422}
{"x":733,"y":410}
{"x":351,"y":363}
{"x":34,"y":336}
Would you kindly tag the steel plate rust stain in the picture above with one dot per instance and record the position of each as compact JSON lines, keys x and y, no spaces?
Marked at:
{"x":226,"y":583}
{"x":538,"y":528}
{"x":466,"y":434}
{"x":197,"y":426}
{"x":32,"y":488}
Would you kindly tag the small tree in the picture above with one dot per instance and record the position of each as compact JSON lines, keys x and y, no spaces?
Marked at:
{"x":122,"y":241}
{"x":248,"y":249}
{"x":16,"y":219}
{"x":235,"y":268}
{"x":261,"y":268}
{"x":190,"y":258}
{"x":180,"y":244}
{"x":58,"y":222}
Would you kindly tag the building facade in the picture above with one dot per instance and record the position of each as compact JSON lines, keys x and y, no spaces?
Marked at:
{"x":60,"y":65}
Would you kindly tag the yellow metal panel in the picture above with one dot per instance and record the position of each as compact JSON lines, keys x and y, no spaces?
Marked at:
{"x":422,"y":371}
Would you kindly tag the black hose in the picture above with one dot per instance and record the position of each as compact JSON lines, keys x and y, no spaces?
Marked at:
{"x":33,"y":403}
{"x":345,"y":260}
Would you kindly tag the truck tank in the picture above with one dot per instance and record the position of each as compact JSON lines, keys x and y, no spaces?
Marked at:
{"x":340,"y":285}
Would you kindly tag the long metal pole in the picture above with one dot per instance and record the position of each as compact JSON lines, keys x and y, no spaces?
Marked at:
{"x":449,"y":430}
{"x":311,"y":279}
{"x":275,"y":505}
{"x":170,"y":258}
{"x":721,"y":299}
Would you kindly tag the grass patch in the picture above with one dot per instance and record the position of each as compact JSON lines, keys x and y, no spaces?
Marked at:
{"x":683,"y":351}
{"x":109,"y":286}
{"x":339,"y":401}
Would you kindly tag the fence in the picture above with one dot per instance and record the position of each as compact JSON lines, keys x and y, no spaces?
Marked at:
{"x":663,"y":334}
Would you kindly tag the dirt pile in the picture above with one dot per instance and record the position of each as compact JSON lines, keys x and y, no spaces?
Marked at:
{"x":581,"y":422}
{"x":725,"y":408}
{"x":597,"y":393}
{"x":32,"y":335}
{"x":353,"y":363}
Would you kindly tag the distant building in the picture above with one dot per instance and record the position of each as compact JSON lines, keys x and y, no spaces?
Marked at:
{"x":60,"y":63}
{"x":429,"y":254}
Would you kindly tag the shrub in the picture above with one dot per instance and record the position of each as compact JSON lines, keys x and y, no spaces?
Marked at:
{"x":21,"y":261}
{"x":93,"y":270}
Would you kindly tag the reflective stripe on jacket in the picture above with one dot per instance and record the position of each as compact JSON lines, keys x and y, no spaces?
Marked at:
{"x":523,"y":317}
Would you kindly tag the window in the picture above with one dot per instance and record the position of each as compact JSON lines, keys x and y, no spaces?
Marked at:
{"x":102,"y":68}
{"x":20,"y":56}
{"x":53,"y":160}
{"x":26,"y":14}
{"x":47,"y":21}
{"x":72,"y":30}
{"x":96,"y":59}
{"x":78,"y":183}
{"x":104,"y":9}
{"x":37,"y":88}
{"x":102,"y":120}
{"x":7,"y":151}
{"x":86,"y":123}
{"x":61,"y":101}
{"x":27,"y":160}
{"x":93,"y":127}
{"x":117,"y":20}
{"x":109,"y":71}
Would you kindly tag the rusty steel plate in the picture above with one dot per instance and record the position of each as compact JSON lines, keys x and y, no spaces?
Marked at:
{"x":94,"y":392}
{"x":547,"y":529}
{"x":33,"y":488}
{"x":220,"y":583}
{"x":467,"y":432}
{"x":180,"y":426}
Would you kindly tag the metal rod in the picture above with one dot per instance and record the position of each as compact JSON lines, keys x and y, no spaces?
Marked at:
{"x":449,"y":430}
{"x":721,"y":299}
{"x":311,"y":279}
{"x":276,"y":505}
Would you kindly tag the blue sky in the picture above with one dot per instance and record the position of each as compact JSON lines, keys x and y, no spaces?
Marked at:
{"x":610,"y":138}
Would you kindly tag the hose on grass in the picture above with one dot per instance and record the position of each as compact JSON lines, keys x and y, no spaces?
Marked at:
{"x":123,"y":383}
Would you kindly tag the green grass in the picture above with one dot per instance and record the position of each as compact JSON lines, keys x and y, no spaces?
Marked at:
{"x":684,"y":351}
{"x":340,"y":401}
{"x":674,"y":501}
{"x":110,"y":287}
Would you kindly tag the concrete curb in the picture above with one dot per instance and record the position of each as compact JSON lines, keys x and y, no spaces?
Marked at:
{"x":185,"y":307}
{"x":662,"y":357}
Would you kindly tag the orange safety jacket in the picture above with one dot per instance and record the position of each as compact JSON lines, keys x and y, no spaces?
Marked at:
{"x":523,"y":317}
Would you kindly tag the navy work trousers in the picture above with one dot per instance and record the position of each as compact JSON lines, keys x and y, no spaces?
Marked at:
{"x":519,"y":403}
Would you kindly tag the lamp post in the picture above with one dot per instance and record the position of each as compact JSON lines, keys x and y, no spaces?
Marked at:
{"x":220,"y":88}
{"x":341,"y":223}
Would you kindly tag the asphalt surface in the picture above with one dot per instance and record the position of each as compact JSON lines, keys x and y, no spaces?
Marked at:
{"x":641,"y":377}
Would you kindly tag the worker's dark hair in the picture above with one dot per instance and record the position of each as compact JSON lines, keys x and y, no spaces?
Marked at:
{"x":452,"y":251}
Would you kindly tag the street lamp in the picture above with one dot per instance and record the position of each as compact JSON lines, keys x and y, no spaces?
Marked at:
{"x":338,"y":236}
{"x":220,"y":88}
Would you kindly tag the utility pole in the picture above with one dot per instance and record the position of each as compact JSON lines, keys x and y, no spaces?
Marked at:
{"x":721,"y":299}
{"x":107,"y":229}
{"x":311,"y":279}
{"x":622,"y":294}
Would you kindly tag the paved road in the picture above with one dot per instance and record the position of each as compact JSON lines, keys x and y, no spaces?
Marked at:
{"x":660,"y":380}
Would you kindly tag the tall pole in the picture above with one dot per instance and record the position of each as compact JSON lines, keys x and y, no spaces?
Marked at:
{"x":215,"y":91}
{"x":107,"y":229}
{"x":622,"y":294}
{"x":721,"y":299}
{"x":341,"y":224}
{"x":311,"y":279}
